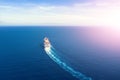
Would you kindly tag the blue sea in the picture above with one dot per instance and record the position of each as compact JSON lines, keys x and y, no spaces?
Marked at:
{"x":22,"y":54}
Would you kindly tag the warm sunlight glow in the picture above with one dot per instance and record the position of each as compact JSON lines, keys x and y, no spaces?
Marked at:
{"x":108,"y":38}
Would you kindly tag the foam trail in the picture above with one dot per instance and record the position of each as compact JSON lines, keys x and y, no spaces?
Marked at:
{"x":51,"y":53}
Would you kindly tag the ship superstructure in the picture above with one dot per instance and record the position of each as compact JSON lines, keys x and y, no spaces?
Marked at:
{"x":47,"y":44}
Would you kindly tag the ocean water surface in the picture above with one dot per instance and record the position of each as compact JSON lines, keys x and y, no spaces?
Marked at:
{"x":86,"y":50}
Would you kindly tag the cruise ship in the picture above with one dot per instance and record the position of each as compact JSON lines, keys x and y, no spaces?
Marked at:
{"x":47,"y":44}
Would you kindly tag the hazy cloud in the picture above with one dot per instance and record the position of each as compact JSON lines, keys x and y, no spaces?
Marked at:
{"x":94,"y":13}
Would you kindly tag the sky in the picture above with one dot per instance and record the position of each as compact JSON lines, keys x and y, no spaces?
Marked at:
{"x":60,"y":12}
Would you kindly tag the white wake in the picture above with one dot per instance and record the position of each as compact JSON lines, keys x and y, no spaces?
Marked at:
{"x":51,"y":52}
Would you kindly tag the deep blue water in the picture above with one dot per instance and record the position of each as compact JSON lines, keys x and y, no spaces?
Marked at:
{"x":22,"y":56}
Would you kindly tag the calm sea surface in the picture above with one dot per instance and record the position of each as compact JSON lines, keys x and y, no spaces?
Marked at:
{"x":22,"y":55}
